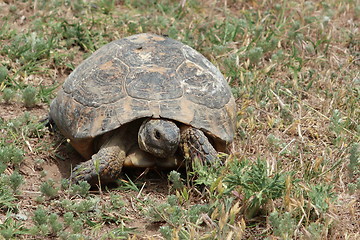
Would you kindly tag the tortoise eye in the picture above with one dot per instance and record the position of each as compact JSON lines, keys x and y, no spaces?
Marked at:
{"x":157,"y":134}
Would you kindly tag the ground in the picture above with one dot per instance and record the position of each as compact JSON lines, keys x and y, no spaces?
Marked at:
{"x":292,"y":171}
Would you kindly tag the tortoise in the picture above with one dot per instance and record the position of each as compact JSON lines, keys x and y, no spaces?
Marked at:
{"x":144,"y":101}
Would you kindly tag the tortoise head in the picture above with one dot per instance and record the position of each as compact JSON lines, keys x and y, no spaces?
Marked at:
{"x":159,"y":137}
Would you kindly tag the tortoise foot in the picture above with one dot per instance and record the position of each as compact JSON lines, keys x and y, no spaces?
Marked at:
{"x":196,"y":146}
{"x":103,"y":167}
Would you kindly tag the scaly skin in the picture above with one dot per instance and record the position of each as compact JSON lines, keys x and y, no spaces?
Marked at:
{"x":106,"y":164}
{"x":195,"y":145}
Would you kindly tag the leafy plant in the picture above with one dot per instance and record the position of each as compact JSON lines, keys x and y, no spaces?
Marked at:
{"x":11,"y":155}
{"x":82,"y":188}
{"x":354,"y":164}
{"x":11,"y":228}
{"x":283,"y":225}
{"x":29,"y":96}
{"x":48,"y":189}
{"x":3,"y":73}
{"x":258,"y":187}
{"x":15,"y":180}
{"x":8,"y":95}
{"x":321,"y":196}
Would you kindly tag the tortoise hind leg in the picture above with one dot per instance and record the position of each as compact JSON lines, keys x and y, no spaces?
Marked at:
{"x":195,"y":145}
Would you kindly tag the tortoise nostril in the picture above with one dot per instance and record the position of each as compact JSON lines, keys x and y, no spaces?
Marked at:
{"x":157,"y":134}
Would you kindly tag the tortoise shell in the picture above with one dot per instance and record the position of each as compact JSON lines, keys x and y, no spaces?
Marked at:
{"x":143,"y":75}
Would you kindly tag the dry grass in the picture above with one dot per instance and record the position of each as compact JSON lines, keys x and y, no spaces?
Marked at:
{"x":294,"y":69}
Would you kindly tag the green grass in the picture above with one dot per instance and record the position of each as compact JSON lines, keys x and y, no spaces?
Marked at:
{"x":292,"y":172}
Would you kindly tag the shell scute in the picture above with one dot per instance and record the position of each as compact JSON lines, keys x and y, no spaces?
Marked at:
{"x":202,"y":87}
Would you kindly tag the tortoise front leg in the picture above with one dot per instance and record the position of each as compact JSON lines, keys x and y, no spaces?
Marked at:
{"x":106,"y":165}
{"x":195,"y":145}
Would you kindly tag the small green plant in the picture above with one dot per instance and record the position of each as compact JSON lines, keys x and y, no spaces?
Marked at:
{"x":8,"y":95}
{"x":257,"y":186}
{"x":46,"y":223}
{"x":117,"y":201}
{"x":128,"y":185}
{"x":283,"y":225}
{"x":354,"y":164}
{"x":354,"y":168}
{"x":107,"y":5}
{"x":321,"y":196}
{"x":29,"y":96}
{"x":176,"y":180}
{"x":15,"y":180}
{"x":82,"y":188}
{"x":77,"y":226}
{"x":3,"y":73}
{"x":314,"y":231}
{"x":13,"y":8}
{"x":255,"y":54}
{"x":56,"y":225}
{"x":40,"y":216}
{"x":7,"y":199}
{"x":68,"y":218}
{"x":83,"y":206}
{"x":48,"y":189}
{"x":11,"y":228}
{"x":180,"y":218}
{"x":11,"y":155}
{"x":3,"y":166}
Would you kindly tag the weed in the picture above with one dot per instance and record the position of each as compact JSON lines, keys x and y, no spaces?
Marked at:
{"x":7,"y":199}
{"x":56,"y":226}
{"x":82,"y":188}
{"x":117,"y":201}
{"x":8,"y":95}
{"x":83,"y":206}
{"x":77,"y":226}
{"x":258,"y":187}
{"x":283,"y":225}
{"x":354,"y":164}
{"x":255,"y":54}
{"x":314,"y":231}
{"x":48,"y":189}
{"x":321,"y":196}
{"x":107,"y":5}
{"x":68,"y":218}
{"x":28,"y":48}
{"x":128,"y":185}
{"x":46,"y":94}
{"x":40,"y":216}
{"x":29,"y":96}
{"x":176,"y":180}
{"x":10,"y":228}
{"x":15,"y":180}
{"x":46,"y":223}
{"x":11,"y":154}
{"x":179,"y":218}
{"x":3,"y":74}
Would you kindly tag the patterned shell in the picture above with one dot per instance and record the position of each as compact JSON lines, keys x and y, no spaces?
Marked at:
{"x":144,"y":75}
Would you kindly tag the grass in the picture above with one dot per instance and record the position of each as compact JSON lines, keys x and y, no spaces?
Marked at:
{"x":292,"y":171}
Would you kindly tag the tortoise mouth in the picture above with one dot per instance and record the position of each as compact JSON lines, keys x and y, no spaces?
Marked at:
{"x":160,"y":151}
{"x":164,"y":153}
